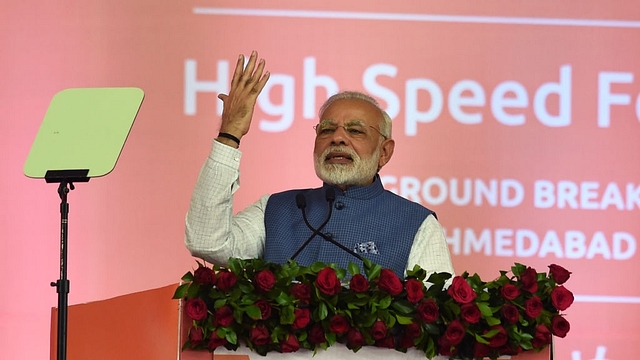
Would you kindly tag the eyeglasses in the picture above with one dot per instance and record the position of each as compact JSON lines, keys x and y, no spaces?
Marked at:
{"x":355,"y":130}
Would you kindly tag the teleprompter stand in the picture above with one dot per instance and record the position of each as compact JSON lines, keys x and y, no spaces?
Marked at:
{"x":81,"y":137}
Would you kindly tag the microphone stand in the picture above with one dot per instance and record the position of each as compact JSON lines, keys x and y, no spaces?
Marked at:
{"x":301,"y":202}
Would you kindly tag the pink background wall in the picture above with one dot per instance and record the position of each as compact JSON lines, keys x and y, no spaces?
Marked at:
{"x":530,"y":97}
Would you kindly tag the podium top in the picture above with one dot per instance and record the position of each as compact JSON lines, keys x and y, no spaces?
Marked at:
{"x":84,"y":129}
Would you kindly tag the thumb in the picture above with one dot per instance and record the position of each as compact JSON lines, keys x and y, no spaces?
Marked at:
{"x":223,"y":97}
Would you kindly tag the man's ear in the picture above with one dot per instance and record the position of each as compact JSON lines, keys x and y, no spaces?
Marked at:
{"x":386,"y":151}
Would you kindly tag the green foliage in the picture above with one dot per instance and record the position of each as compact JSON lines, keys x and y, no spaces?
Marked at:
{"x":363,"y":310}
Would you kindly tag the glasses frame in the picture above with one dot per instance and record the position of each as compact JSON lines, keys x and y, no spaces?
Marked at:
{"x":315,"y":128}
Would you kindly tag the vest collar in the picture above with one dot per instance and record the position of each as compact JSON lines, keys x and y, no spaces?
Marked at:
{"x":360,"y":192}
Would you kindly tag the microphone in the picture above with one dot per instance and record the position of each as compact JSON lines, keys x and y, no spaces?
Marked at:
{"x":301,"y":203}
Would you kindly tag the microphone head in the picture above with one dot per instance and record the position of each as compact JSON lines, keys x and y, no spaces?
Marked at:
{"x":301,"y":201}
{"x":330,"y":195}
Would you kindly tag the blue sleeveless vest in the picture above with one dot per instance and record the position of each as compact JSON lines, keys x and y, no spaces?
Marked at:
{"x":377,"y":223}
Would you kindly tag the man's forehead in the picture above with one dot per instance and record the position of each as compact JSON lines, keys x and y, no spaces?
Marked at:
{"x":352,"y":110}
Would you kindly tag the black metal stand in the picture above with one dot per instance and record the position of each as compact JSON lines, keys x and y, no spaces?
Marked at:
{"x":66,"y":179}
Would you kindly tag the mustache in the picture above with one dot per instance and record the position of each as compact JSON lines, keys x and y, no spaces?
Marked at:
{"x":343,"y":149}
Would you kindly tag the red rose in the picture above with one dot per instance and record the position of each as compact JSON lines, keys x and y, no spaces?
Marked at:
{"x":355,"y":338}
{"x":470,"y":313}
{"x":413,"y":330}
{"x":461,"y":291}
{"x":542,"y":337}
{"x":414,"y":290}
{"x":387,"y":342}
{"x":533,"y":307}
{"x":327,"y":282}
{"x":215,"y":341}
{"x":226,"y":280}
{"x":196,"y":309}
{"x":508,"y":350}
{"x":481,"y":350}
{"x":338,"y":324}
{"x":223,"y":316}
{"x":559,"y":326}
{"x":427,"y":311}
{"x":316,"y":335}
{"x":455,"y":332}
{"x":510,"y":313}
{"x":259,"y":335}
{"x":379,"y":330}
{"x":529,"y":280}
{"x":359,"y":283}
{"x":559,"y":274}
{"x":265,"y":280}
{"x":406,"y":342}
{"x":446,"y":348}
{"x":301,"y":292}
{"x":302,"y":318}
{"x":389,"y":282}
{"x":265,"y":308}
{"x":561,"y":298}
{"x":196,"y":335}
{"x":509,"y":291}
{"x":500,"y":338}
{"x":205,"y":276}
{"x":291,"y":344}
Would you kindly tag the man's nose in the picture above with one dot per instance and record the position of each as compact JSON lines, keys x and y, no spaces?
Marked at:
{"x":340,"y":136}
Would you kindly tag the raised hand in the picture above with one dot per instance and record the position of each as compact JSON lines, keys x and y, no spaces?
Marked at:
{"x":246,"y":85}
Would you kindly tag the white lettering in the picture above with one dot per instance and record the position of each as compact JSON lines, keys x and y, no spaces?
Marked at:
{"x":563,"y":89}
{"x":285,"y":110}
{"x":413,"y":116}
{"x":192,"y":86}
{"x":606,"y":98}
{"x":457,"y":101}
{"x":311,"y":81}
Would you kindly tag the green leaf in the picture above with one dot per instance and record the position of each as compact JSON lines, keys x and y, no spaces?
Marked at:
{"x":404,"y":320}
{"x":353,"y":268}
{"x":322,"y":311}
{"x":484,"y":309}
{"x":492,"y":321}
{"x":181,"y":291}
{"x":236,"y":266}
{"x":246,"y":287}
{"x":219,"y":303}
{"x":317,"y":266}
{"x":385,"y":302}
{"x":374,"y":272}
{"x":193,"y":290}
{"x":188,"y":277}
{"x":253,"y":312}
{"x":403,"y":307}
{"x":231,"y":337}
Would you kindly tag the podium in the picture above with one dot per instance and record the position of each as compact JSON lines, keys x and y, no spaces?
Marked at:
{"x":149,"y":325}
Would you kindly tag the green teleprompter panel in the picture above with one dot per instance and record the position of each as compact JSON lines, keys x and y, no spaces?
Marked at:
{"x":84,"y":129}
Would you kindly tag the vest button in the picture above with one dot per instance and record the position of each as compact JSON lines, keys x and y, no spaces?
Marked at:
{"x":339,"y":205}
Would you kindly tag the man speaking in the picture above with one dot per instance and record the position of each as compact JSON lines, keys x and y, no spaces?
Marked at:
{"x":350,"y":217}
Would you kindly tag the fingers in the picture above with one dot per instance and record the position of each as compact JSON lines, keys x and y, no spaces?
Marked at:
{"x":260,"y":85}
{"x":250,"y":78}
{"x":237,"y":73}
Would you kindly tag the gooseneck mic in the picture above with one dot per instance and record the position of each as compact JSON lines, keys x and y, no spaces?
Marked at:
{"x":301,"y":203}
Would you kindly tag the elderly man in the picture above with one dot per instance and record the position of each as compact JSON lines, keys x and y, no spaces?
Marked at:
{"x":353,"y":142}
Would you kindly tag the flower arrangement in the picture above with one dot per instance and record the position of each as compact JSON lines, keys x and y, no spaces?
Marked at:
{"x":284,"y":308}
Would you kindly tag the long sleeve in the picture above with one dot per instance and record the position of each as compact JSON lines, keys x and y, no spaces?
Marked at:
{"x":212,"y":232}
{"x":430,"y":249}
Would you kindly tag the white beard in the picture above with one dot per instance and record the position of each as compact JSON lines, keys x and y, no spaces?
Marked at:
{"x":359,"y":173}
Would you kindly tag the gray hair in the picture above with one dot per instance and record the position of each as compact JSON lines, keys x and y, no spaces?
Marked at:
{"x":385,"y":124}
